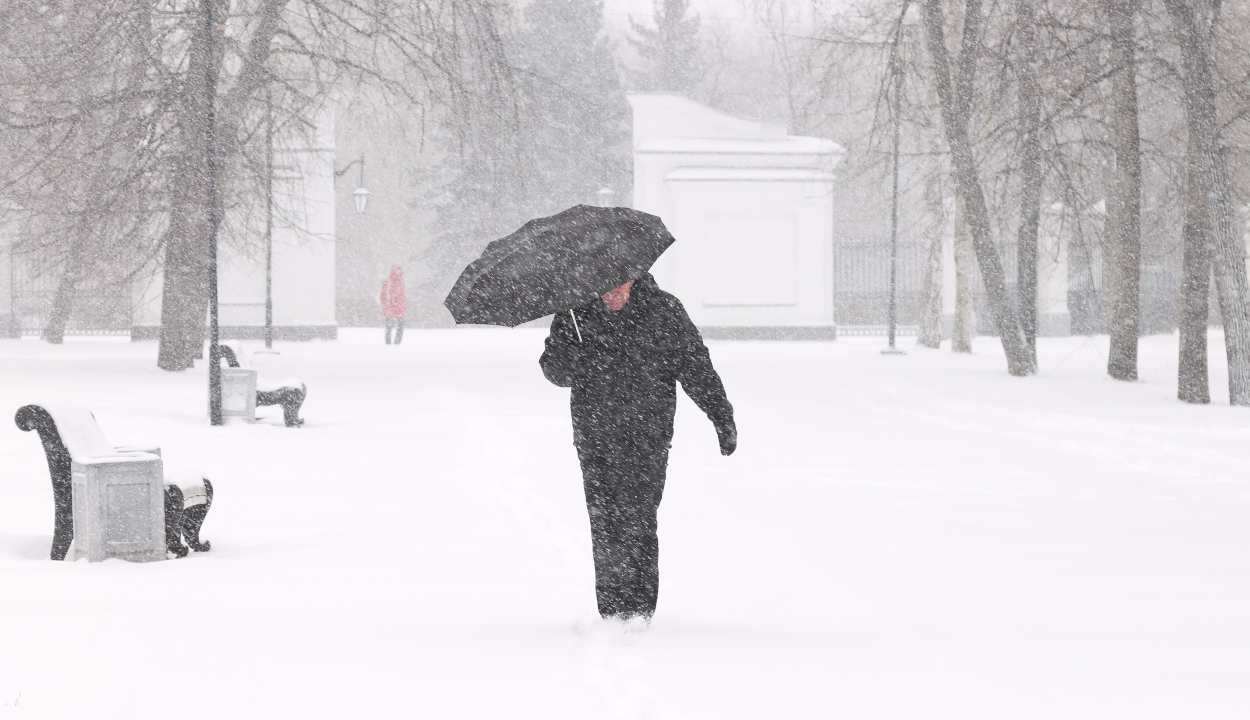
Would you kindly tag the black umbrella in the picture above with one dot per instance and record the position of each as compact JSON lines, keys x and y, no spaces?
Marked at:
{"x":556,"y":263}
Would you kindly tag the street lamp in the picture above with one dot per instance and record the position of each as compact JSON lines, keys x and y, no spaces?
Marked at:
{"x":605,"y":195}
{"x":269,"y":216}
{"x":360,"y":197}
{"x":897,"y":69}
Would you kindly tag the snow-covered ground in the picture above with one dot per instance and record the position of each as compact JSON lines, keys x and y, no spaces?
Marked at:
{"x":920,"y":536}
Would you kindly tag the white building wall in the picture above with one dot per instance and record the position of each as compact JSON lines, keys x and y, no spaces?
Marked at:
{"x":303,"y":241}
{"x":751,"y":208}
{"x":751,"y":247}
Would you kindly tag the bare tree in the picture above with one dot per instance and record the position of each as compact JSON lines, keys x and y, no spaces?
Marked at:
{"x":1031,"y":171}
{"x":68,"y":124}
{"x":955,"y":99}
{"x":1193,"y":22}
{"x":127,"y":87}
{"x":934,"y":234}
{"x":963,"y":327}
{"x":671,"y":49}
{"x":1192,"y":384}
{"x":1078,"y":107}
{"x":1123,"y":270}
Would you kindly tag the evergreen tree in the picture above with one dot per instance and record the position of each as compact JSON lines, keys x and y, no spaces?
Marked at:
{"x":576,"y":121}
{"x":670,"y":49}
{"x":558,"y":132}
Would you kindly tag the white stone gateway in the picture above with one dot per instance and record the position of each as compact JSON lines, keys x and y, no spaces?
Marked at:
{"x":752,"y":210}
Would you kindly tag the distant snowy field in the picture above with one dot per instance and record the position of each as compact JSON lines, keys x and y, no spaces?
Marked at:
{"x":907,"y":537}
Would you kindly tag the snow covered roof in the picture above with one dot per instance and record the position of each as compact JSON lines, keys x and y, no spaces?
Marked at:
{"x":792,"y":145}
{"x":674,"y":124}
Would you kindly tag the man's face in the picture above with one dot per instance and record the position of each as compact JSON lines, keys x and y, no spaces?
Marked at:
{"x":617,"y":297}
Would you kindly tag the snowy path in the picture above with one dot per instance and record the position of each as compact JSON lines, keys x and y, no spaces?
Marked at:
{"x":897,"y":537}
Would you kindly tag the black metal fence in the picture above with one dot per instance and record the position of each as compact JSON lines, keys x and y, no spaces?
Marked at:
{"x":862,"y":287}
{"x":97,"y":308}
{"x":862,"y":290}
{"x":861,"y":294}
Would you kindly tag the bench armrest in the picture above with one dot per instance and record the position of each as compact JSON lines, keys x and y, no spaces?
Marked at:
{"x":139,"y":448}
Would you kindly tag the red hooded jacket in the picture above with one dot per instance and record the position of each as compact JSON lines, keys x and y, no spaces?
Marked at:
{"x":393,"y":298}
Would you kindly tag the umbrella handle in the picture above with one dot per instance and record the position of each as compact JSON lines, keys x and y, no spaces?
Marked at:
{"x":579,"y":330}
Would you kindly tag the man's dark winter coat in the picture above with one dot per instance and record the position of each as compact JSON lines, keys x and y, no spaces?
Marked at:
{"x":623,"y":373}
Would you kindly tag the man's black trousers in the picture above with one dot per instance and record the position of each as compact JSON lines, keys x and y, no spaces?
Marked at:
{"x":624,"y":481}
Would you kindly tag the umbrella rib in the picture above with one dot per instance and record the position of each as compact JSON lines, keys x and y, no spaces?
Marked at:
{"x":579,"y":330}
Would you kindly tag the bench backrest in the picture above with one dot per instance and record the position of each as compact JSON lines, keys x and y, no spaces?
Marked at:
{"x":78,"y":430}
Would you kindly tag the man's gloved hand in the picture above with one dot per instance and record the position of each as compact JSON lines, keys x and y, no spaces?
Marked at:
{"x":728,"y":436}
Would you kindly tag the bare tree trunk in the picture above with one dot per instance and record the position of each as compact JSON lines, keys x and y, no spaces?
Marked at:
{"x":185,"y":290}
{"x":1192,"y":383}
{"x":1031,"y":176}
{"x":184,"y":297}
{"x":1193,"y":20}
{"x":955,"y":106}
{"x":935,"y":225}
{"x":66,"y":288}
{"x":1123,"y":242}
{"x":62,"y":305}
{"x":965,"y":321}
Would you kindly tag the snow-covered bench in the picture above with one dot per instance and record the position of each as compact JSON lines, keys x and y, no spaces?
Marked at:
{"x":289,"y":394}
{"x":117,"y":501}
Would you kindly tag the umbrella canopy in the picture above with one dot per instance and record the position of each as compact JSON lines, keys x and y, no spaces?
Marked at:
{"x":556,"y":263}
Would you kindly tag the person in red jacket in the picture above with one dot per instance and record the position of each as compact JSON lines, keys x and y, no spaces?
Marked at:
{"x":394,"y":303}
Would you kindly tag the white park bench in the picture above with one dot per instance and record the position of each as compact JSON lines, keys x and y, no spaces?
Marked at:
{"x":114,"y":501}
{"x":242,"y":391}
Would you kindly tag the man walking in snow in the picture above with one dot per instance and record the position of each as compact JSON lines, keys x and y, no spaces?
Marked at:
{"x":622,"y":356}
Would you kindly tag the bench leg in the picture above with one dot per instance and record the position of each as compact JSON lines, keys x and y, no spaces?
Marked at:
{"x":38,"y":419}
{"x":291,"y":399}
{"x":193,"y":519}
{"x":63,"y":530}
{"x":173,"y":521}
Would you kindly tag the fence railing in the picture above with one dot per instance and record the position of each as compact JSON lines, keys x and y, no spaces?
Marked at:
{"x":96,"y":309}
{"x":93,"y":313}
{"x":862,"y":284}
{"x":862,"y":297}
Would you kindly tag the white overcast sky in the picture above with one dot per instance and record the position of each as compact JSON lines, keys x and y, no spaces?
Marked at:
{"x":727,"y":13}
{"x":723,"y":9}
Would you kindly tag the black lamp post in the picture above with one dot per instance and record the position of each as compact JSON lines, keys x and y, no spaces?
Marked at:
{"x":210,"y":147}
{"x":269,"y":217}
{"x":896,"y":69}
{"x":360,"y":197}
